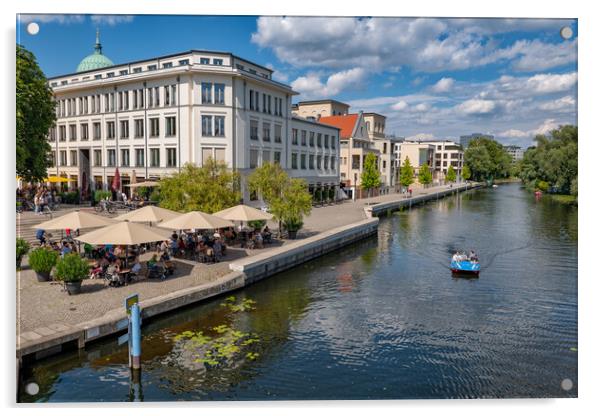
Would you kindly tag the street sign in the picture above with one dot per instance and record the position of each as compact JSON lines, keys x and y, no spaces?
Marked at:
{"x":129,"y":302}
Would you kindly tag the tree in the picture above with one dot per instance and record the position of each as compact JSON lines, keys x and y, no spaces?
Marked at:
{"x":487,"y":159}
{"x":370,"y":178}
{"x":209,"y":188}
{"x":425,"y":176}
{"x":406,"y":173}
{"x":552,"y":160}
{"x":269,"y":181}
{"x":466,"y":172}
{"x":35,"y":116}
{"x":451,"y":175}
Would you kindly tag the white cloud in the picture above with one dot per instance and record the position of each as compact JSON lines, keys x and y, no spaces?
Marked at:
{"x":543,"y":128}
{"x":110,"y":19}
{"x":310,"y":86}
{"x":52,"y":18}
{"x":429,"y":45}
{"x":567,"y":103}
{"x":421,"y":108}
{"x":550,"y":83}
{"x":421,"y":137}
{"x":400,"y":105}
{"x":476,"y":106}
{"x":514,"y":133}
{"x":443,"y":85}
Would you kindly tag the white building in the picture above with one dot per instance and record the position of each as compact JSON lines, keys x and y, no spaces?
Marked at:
{"x":448,"y":154}
{"x":148,"y":118}
{"x":516,"y":152}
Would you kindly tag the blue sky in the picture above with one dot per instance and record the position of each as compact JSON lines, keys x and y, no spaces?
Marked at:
{"x":431,"y":77}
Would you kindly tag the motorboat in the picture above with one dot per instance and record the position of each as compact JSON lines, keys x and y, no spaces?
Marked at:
{"x":462,"y":264}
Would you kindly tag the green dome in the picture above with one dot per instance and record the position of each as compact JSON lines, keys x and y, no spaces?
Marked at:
{"x":95,"y":61}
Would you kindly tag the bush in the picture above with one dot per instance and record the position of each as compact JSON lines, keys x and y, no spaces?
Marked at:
{"x":99,"y":195}
{"x":293,"y":224}
{"x":42,"y":260}
{"x":257,"y":225}
{"x":22,"y":247}
{"x":70,"y":197}
{"x":543,"y":186}
{"x":72,"y":268}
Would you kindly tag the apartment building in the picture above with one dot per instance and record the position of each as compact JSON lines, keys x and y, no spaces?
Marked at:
{"x":418,"y":154}
{"x":516,"y":152}
{"x":319,"y":108}
{"x":150,"y":117}
{"x":375,"y":124}
{"x":355,"y":145}
{"x":447,"y":155}
{"x":465,"y":140}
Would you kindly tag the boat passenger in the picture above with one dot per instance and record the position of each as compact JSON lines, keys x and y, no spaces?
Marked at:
{"x":472,"y":256}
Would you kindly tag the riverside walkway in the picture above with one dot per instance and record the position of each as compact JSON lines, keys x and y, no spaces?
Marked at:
{"x":44,"y":310}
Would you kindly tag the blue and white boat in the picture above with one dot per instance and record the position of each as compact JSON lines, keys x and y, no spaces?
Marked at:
{"x":465,"y":267}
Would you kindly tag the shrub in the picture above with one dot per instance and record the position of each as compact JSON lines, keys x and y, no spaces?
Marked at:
{"x":22,"y":247}
{"x":42,"y":259}
{"x":543,"y":186}
{"x":293,"y":224}
{"x":70,"y":197}
{"x":99,"y":195}
{"x":257,"y":225}
{"x":72,"y":268}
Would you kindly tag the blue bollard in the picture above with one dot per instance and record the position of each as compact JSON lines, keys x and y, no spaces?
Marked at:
{"x":136,"y":337}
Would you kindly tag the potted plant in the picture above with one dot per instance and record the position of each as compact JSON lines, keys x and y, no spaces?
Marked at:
{"x":293,"y":225}
{"x":42,"y":260}
{"x":22,"y":250}
{"x":71,"y":270}
{"x":257,"y":225}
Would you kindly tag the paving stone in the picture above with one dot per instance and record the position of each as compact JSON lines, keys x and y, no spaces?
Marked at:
{"x":44,"y":331}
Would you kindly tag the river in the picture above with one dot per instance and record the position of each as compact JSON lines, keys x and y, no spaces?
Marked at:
{"x":381,"y":319}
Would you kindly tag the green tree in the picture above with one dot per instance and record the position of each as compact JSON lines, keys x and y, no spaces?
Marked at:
{"x":451,"y":175}
{"x":406,"y":173}
{"x":269,"y":181}
{"x":487,"y":159}
{"x":425,"y":176}
{"x":209,"y":188}
{"x":35,"y":116}
{"x":370,"y":178}
{"x":552,"y":160}
{"x":466,"y":172}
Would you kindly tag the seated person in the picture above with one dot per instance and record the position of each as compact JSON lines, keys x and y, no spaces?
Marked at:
{"x":41,"y":236}
{"x":66,"y":249}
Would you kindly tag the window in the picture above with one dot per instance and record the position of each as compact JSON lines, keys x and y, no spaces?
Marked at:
{"x":251,"y":101}
{"x":173,"y":95}
{"x":170,"y":126}
{"x":157,"y":97}
{"x":123,"y":72}
{"x":238,"y":66}
{"x":219,"y":90}
{"x":326,"y":141}
{"x":62,"y":133}
{"x":125,"y":157}
{"x":52,"y":134}
{"x":206,"y":93}
{"x":63,"y":161}
{"x":84,"y":131}
{"x":120,"y":100}
{"x":277,"y":133}
{"x":112,"y":101}
{"x":254,"y":130}
{"x":332,"y":162}
{"x":206,"y":125}
{"x":311,"y":138}
{"x":264,"y":103}
{"x":124,"y":129}
{"x":355,"y":162}
{"x":253,"y":158}
{"x":256,"y":100}
{"x":137,"y":70}
{"x":303,"y":161}
{"x":167,"y":65}
{"x":110,"y":74}
{"x":220,"y":155}
{"x":166,"y":100}
{"x":265,"y":157}
{"x":139,"y":157}
{"x":155,"y":159}
{"x":97,"y":157}
{"x":218,"y":62}
{"x":332,"y":142}
{"x":171,"y":157}
{"x":138,"y":128}
{"x":266,"y":132}
{"x":295,"y":136}
{"x":269,"y":104}
{"x":319,"y":163}
{"x":206,"y":154}
{"x":183,"y":62}
{"x":72,"y":132}
{"x":319,"y":141}
{"x":98,"y":76}
{"x":52,"y":158}
{"x":294,"y":161}
{"x":204,"y":61}
{"x":154,"y":127}
{"x":73,"y":157}
{"x":312,"y":162}
{"x":150,"y":97}
{"x":303,"y":138}
{"x":111,"y":157}
{"x":219,"y":126}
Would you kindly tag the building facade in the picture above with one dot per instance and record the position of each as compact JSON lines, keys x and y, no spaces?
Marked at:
{"x":465,"y":140}
{"x":149,"y":118}
{"x":376,"y":132}
{"x":418,"y":154}
{"x":447,"y":155}
{"x":320,"y":108}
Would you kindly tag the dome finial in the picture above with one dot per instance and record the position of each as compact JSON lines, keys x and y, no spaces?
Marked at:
{"x":98,"y":46}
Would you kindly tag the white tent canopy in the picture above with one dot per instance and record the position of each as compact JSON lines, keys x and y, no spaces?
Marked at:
{"x":124,"y":233}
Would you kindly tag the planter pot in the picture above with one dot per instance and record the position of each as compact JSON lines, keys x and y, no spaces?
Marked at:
{"x":292,"y":235}
{"x":73,"y":288}
{"x":19,"y":259}
{"x":43,"y":276}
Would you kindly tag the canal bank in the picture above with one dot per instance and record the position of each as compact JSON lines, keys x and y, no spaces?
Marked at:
{"x":55,"y":338}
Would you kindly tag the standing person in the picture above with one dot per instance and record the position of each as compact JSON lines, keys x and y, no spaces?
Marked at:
{"x":36,"y":202}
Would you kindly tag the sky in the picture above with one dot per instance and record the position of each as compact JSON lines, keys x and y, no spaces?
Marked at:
{"x":431,"y":77}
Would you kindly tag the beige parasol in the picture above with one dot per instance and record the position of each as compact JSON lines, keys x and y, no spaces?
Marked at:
{"x":196,"y":219}
{"x":145,"y":184}
{"x":124,"y":233}
{"x":243,"y":213}
{"x":76,"y":220}
{"x":149,"y":213}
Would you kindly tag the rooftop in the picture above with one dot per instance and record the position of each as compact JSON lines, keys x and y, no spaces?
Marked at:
{"x":345,"y":123}
{"x":322,"y":102}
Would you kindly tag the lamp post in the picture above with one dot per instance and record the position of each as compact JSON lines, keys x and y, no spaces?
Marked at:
{"x":354,"y":185}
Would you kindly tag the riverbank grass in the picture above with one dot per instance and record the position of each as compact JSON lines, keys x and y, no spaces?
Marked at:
{"x":565,"y":199}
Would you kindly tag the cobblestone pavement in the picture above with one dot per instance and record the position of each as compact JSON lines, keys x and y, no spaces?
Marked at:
{"x":42,"y":304}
